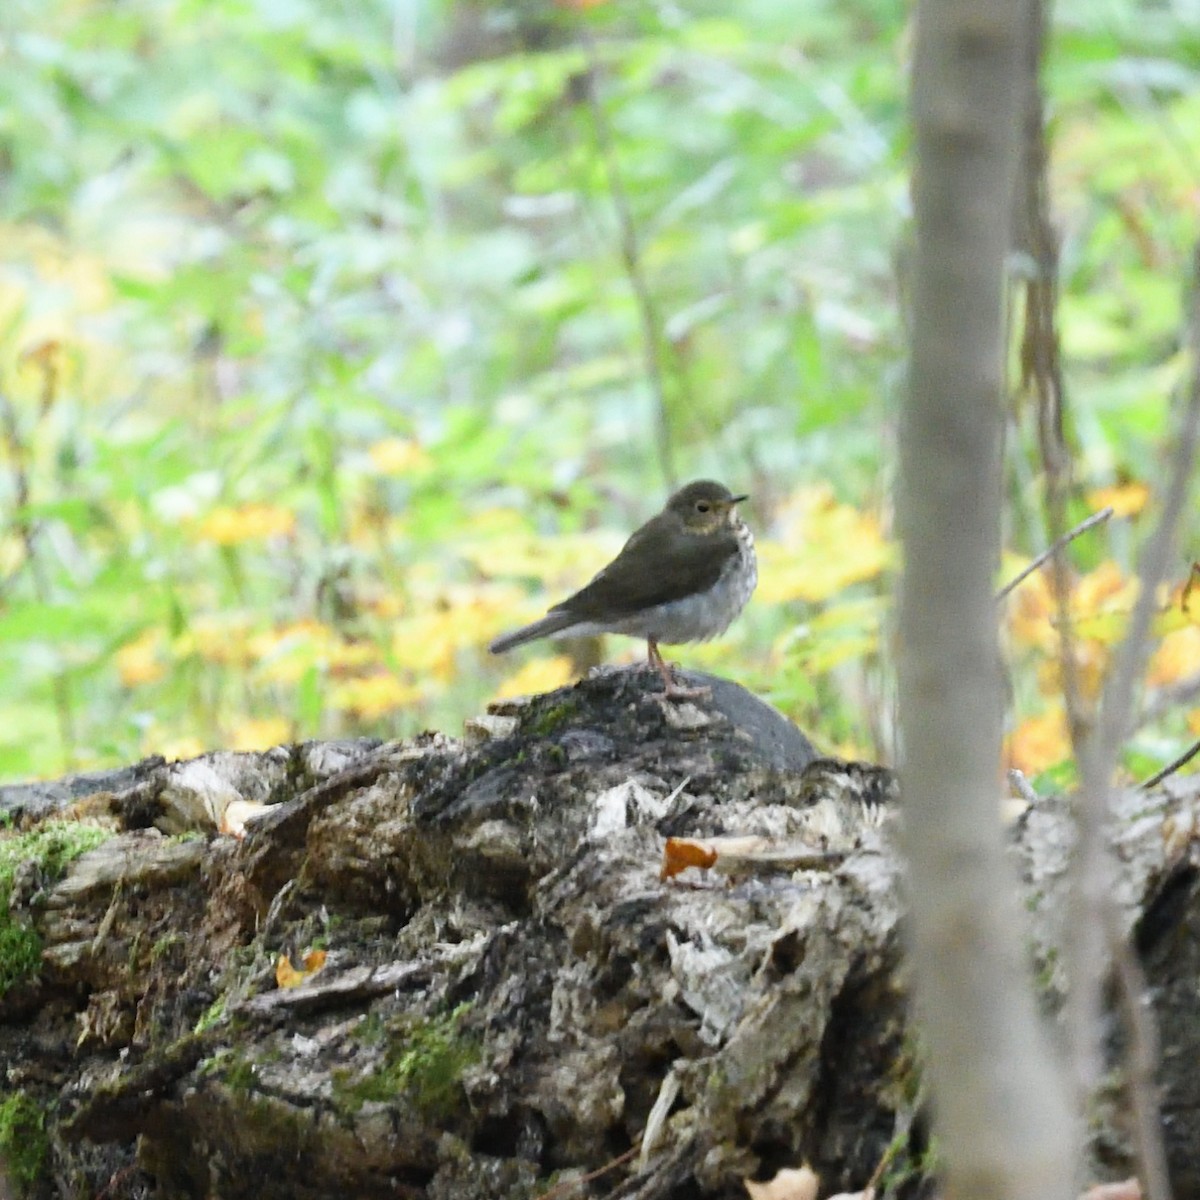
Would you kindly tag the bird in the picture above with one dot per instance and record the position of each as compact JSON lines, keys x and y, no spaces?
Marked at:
{"x":682,"y":577}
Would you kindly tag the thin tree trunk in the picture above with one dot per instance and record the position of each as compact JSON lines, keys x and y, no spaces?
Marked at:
{"x":1000,"y":1100}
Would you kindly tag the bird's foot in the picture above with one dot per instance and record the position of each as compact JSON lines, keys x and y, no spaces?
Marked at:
{"x":672,"y":688}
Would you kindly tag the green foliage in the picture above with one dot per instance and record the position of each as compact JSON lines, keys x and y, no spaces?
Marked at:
{"x":320,"y":362}
{"x":53,"y":845}
{"x":23,"y":1142}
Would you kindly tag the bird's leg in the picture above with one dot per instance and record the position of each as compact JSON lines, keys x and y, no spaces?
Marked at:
{"x":655,"y":659}
{"x":672,"y":690}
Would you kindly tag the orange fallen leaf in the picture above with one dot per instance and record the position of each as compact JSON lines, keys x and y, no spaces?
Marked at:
{"x":681,"y":853}
{"x":289,"y":976}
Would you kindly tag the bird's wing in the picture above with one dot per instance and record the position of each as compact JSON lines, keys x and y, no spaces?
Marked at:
{"x":652,"y":569}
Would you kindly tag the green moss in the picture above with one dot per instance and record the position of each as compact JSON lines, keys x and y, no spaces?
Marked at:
{"x":370,"y":1030}
{"x":1047,"y":969}
{"x":902,"y":1166}
{"x":23,"y":1143}
{"x":239,"y":1075}
{"x":425,"y":1065}
{"x":53,"y":845}
{"x":552,"y":717}
{"x":212,"y":1015}
{"x":20,"y":951}
{"x":164,"y":945}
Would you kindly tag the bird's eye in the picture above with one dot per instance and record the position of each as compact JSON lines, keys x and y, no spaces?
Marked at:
{"x":702,"y":506}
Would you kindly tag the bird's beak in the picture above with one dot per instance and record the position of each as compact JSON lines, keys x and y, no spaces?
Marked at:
{"x":739,"y":499}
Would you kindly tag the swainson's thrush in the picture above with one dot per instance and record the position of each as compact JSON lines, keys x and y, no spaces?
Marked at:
{"x":682,"y":577}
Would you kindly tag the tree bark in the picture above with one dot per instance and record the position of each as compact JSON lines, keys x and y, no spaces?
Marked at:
{"x":1001,"y":1106}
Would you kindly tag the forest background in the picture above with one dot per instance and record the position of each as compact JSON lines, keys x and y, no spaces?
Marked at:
{"x":336,"y":338}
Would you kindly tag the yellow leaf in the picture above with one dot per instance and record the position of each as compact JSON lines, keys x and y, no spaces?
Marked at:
{"x":228,"y":526}
{"x":537,"y":675}
{"x":139,"y":661}
{"x":285,"y":653}
{"x":1040,"y":742}
{"x":224,"y":639}
{"x":260,"y":733}
{"x":179,"y":749}
{"x":825,"y":547}
{"x":1193,"y":721}
{"x":289,"y":976}
{"x":1091,"y":663}
{"x":450,"y":618}
{"x":560,"y":562}
{"x":1177,"y":657}
{"x":1125,"y":499}
{"x":373,"y":696}
{"x":1031,"y":614}
{"x":397,"y":456}
{"x":1105,"y":589}
{"x":351,"y":657}
{"x":1100,"y":604}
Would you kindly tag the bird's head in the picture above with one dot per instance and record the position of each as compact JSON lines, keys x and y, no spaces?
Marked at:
{"x":704,"y":506}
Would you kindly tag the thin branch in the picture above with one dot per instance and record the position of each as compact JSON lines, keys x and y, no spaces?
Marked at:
{"x":560,"y":1189}
{"x":1042,"y":376}
{"x":1097,"y":762}
{"x":1116,"y":714}
{"x":631,"y":256}
{"x":1059,"y":543}
{"x":1171,"y":767}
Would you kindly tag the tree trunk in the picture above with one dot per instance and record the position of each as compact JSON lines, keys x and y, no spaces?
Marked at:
{"x":1002,"y":1114}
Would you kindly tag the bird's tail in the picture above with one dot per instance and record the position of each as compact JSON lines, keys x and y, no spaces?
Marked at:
{"x":551,"y":623}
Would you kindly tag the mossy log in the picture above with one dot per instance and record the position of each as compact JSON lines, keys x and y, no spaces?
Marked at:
{"x":512,"y":995}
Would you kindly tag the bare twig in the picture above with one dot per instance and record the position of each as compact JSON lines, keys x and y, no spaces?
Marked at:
{"x":1097,"y":761}
{"x":1171,"y":767}
{"x":1093,"y":919}
{"x":1041,"y":375}
{"x":561,"y":1189}
{"x":1095,"y":519}
{"x":1116,"y":714}
{"x":632,"y":258}
{"x":1022,"y":786}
